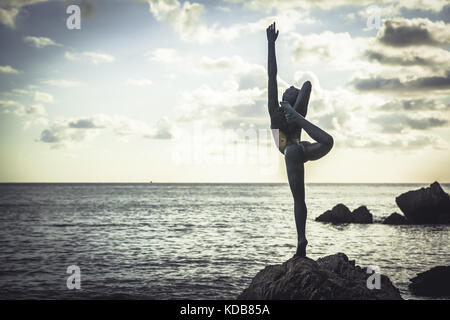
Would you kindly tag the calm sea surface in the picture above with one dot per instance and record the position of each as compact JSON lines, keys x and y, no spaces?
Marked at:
{"x":191,"y":241}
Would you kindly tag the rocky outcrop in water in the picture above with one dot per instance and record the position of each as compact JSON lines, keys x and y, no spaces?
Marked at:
{"x":331,"y":277}
{"x":434,"y":282}
{"x":426,"y":205}
{"x":362,"y":215}
{"x":341,"y":214}
{"x":395,"y":219}
{"x":338,"y":214}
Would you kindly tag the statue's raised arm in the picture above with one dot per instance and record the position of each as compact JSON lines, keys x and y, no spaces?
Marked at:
{"x":272,"y":35}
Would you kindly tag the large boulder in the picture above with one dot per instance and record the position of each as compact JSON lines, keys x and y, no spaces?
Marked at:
{"x":341,"y":214}
{"x":426,"y":205}
{"x":434,"y":282}
{"x":331,"y":277}
{"x":396,"y":219}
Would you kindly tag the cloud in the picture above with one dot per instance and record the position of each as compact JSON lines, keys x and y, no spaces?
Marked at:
{"x":10,"y":106}
{"x":433,"y":58}
{"x":43,"y":97}
{"x":71,"y":56}
{"x":68,"y":132}
{"x":60,"y":136}
{"x":50,"y":136}
{"x":40,"y":42}
{"x":164,"y":55}
{"x":238,"y":100}
{"x":88,"y":8}
{"x":98,"y":58}
{"x":417,"y":85}
{"x":372,"y":58}
{"x":162,"y":130}
{"x":413,"y":105}
{"x":399,"y":122}
{"x":8,"y":16}
{"x":222,"y":104}
{"x":63,"y":83}
{"x":186,"y":20}
{"x":93,"y":57}
{"x":142,"y":82}
{"x":364,"y":120}
{"x":247,"y":75}
{"x":338,"y":50}
{"x":35,"y":114}
{"x":36,"y":109}
{"x":10,"y":9}
{"x":395,"y":142}
{"x":399,"y":63}
{"x":8,"y":70}
{"x":401,"y":32}
{"x":85,"y":124}
{"x":267,"y":5}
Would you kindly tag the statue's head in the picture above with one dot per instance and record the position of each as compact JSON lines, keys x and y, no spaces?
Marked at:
{"x":290,"y":95}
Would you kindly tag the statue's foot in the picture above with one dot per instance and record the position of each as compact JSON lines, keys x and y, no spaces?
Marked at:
{"x":305,"y":93}
{"x":301,"y":249}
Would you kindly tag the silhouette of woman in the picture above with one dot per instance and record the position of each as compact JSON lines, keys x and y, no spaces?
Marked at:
{"x":287,"y":122}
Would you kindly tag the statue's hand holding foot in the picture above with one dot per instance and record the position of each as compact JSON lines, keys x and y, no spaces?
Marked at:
{"x":289,"y":113}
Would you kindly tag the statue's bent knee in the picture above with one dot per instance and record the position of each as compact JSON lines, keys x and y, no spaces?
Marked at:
{"x":295,"y":152}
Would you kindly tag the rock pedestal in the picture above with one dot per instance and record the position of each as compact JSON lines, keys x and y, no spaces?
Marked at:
{"x":331,"y":277}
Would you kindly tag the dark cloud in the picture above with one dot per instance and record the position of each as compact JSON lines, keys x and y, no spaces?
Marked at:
{"x":400,"y":36}
{"x":423,"y":141}
{"x":83,"y":124}
{"x":416,"y":142}
{"x":394,"y":84}
{"x":334,"y":120}
{"x":49,"y":136}
{"x":399,"y":32}
{"x":10,"y":9}
{"x":88,"y":8}
{"x":162,"y":130}
{"x":65,"y":132}
{"x":413,"y":105}
{"x":161,"y":135}
{"x":405,"y":60}
{"x":444,"y":14}
{"x":60,"y":134}
{"x":396,"y":123}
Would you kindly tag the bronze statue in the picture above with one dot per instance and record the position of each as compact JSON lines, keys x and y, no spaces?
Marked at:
{"x":289,"y":119}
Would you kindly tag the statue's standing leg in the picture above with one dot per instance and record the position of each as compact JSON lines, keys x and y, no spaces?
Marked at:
{"x":294,"y":158}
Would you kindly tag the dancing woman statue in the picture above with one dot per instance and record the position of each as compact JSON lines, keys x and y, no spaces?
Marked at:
{"x":289,"y":119}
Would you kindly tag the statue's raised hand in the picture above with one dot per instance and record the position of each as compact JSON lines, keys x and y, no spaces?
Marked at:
{"x":272,"y":33}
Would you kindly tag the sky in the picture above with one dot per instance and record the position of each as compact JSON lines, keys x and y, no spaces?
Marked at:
{"x":176,"y":91}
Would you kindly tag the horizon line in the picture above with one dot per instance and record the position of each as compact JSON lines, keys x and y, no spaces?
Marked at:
{"x":166,"y":182}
